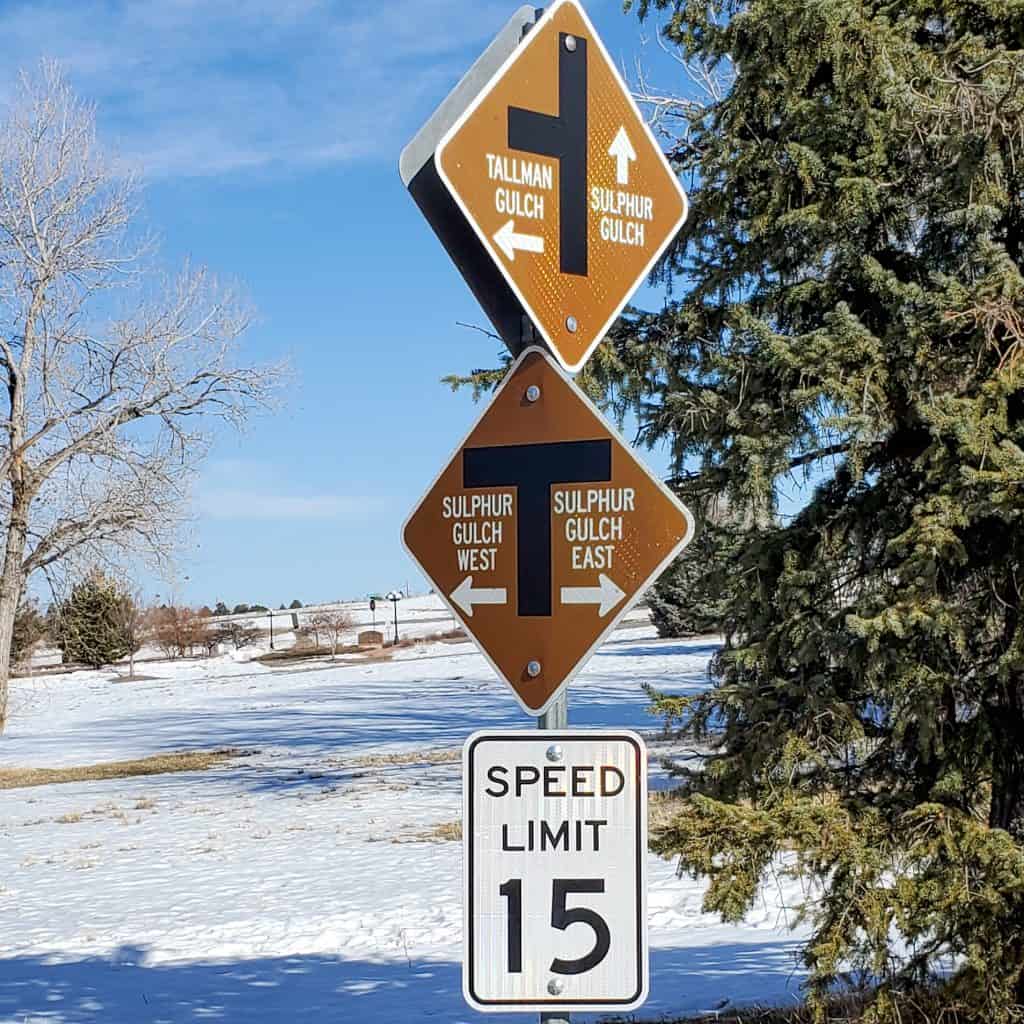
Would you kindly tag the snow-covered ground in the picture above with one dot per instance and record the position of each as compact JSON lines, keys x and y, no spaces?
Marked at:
{"x":295,"y":883}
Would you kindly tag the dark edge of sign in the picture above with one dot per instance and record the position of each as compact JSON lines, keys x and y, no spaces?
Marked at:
{"x":470,"y":257}
{"x":638,"y":877}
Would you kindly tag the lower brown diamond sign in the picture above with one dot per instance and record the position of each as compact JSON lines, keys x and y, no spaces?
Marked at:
{"x":543,"y":529}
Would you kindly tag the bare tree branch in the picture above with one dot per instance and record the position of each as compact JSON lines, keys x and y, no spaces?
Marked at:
{"x":482,"y":330}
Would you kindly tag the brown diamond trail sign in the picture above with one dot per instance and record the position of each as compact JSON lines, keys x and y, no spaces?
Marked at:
{"x":542,"y":530}
{"x":558,"y":174}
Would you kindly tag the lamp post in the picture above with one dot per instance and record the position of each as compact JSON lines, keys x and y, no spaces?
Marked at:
{"x":394,"y":597}
{"x":271,"y":610}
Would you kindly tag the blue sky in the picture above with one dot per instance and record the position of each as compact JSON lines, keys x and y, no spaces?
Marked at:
{"x":268,"y":134}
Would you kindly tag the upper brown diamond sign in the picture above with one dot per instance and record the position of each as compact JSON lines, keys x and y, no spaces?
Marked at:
{"x":558,"y":174}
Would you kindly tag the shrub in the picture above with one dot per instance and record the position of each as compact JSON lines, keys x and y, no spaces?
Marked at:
{"x":90,"y":623}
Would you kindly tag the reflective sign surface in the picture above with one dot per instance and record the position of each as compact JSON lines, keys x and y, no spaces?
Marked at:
{"x":557,"y":172}
{"x":542,"y":529}
{"x":555,"y":835}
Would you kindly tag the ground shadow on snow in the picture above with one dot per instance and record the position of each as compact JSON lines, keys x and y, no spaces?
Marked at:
{"x":124,"y":989}
{"x":331,"y":721}
{"x":657,"y":649}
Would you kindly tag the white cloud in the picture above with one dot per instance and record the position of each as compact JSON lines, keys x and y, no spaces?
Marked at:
{"x":247,"y":489}
{"x":194,"y":87}
{"x":240,"y":504}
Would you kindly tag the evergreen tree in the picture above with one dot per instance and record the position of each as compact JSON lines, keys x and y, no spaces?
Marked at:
{"x":91,"y":625}
{"x":221,"y":609}
{"x":852,"y":307}
{"x":689,"y":598}
{"x":29,"y":631}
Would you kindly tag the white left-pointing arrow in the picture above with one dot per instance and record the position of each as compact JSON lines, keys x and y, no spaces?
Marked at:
{"x":509,"y":241}
{"x":465,"y":596}
{"x":624,"y":153}
{"x":607,"y":595}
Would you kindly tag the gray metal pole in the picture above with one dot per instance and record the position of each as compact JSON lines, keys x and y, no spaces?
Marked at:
{"x":556,"y":717}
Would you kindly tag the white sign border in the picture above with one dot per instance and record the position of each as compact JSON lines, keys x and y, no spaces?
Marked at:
{"x":626,"y":605}
{"x":482,"y":235}
{"x":643,"y":953}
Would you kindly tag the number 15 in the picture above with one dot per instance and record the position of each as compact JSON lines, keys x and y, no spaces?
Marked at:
{"x":561,"y":918}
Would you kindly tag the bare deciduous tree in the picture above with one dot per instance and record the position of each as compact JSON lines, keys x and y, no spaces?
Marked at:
{"x":178,"y":630}
{"x":244,"y":634}
{"x":333,"y":623}
{"x":112,"y":375}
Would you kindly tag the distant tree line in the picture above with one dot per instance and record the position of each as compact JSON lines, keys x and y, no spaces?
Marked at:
{"x":242,"y":609}
{"x":102,"y":620}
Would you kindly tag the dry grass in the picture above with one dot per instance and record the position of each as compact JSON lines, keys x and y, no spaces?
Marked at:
{"x":661,"y":808}
{"x":411,"y":757}
{"x":457,"y":635}
{"x":158,"y":764}
{"x":445,"y":832}
{"x":304,"y":653}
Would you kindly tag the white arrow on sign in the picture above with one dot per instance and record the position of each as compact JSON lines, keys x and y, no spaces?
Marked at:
{"x":465,"y":596}
{"x":509,"y":240}
{"x":624,"y":153}
{"x":607,"y":595}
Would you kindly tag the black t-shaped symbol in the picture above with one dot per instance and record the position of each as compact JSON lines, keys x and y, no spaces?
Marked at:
{"x":564,"y":138}
{"x":533,"y":469}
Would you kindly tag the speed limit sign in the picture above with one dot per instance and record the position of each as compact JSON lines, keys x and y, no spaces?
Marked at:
{"x":555,"y":834}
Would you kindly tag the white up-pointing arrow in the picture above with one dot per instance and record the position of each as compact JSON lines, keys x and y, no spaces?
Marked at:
{"x":623,"y":151}
{"x":607,"y":595}
{"x":465,"y":596}
{"x":509,"y":241}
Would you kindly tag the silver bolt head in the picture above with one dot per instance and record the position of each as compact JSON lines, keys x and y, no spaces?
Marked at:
{"x":554,"y":752}
{"x":532,"y":393}
{"x":556,"y":987}
{"x":570,"y":324}
{"x":533,"y":669}
{"x":570,"y":43}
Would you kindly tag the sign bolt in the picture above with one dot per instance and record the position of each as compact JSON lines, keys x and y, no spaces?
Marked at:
{"x":533,"y":669}
{"x":554,"y":752}
{"x":570,"y":43}
{"x":555,"y":987}
{"x":571,"y":324}
{"x":532,"y":393}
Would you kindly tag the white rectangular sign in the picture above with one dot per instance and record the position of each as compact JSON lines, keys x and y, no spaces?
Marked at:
{"x":555,"y":834}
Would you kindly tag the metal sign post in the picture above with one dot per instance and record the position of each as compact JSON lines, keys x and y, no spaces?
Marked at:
{"x":545,"y":185}
{"x":555,"y":718}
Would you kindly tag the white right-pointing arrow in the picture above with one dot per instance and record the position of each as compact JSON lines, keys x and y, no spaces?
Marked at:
{"x":623,"y":151}
{"x":465,"y":596}
{"x":509,"y":240}
{"x":607,"y":595}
